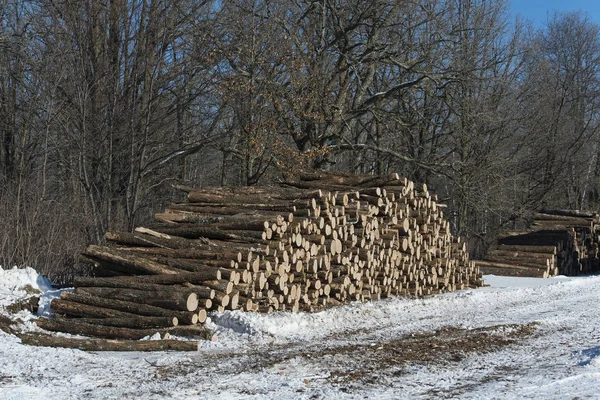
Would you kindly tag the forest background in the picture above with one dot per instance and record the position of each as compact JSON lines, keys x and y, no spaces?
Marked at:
{"x":104,"y":105}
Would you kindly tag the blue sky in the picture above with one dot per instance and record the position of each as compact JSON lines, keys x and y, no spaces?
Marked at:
{"x":537,"y":10}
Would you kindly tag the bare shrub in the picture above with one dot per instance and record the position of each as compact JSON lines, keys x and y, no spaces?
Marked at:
{"x":47,"y":234}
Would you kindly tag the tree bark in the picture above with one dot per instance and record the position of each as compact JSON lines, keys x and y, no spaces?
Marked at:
{"x":155,"y":280}
{"x":134,"y":322}
{"x":503,"y":270}
{"x":555,"y":217}
{"x":195,"y":232}
{"x":541,"y":263}
{"x":108,"y":344}
{"x":77,"y":328}
{"x":525,"y":248}
{"x":225,"y":209}
{"x":73,"y":308}
{"x":535,"y":269}
{"x":168,"y":255}
{"x":139,"y":239}
{"x":130,"y":261}
{"x":183,"y":300}
{"x":570,"y":213}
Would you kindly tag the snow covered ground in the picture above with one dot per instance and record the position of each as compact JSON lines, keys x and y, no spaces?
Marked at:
{"x":522,"y":338}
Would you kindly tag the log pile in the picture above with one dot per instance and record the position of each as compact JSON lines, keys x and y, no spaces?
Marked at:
{"x":318,"y":240}
{"x":558,"y":242}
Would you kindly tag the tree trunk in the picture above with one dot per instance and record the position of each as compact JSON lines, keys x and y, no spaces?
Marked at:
{"x":525,"y":248}
{"x":108,"y":344}
{"x":139,"y":239}
{"x":129,"y":261}
{"x":76,"y":309}
{"x":182,"y":300}
{"x":77,"y":328}
{"x":195,"y":232}
{"x":156,"y":280}
{"x":134,"y":322}
{"x":72,"y":302}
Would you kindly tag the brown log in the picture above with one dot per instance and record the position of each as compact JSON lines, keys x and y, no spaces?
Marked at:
{"x":117,"y":283}
{"x":248,"y":222}
{"x":184,"y":300}
{"x":73,"y":309}
{"x":203,"y":292}
{"x":129,"y":260}
{"x":38,"y":339}
{"x":570,"y":213}
{"x":554,"y":217}
{"x":327,"y":179}
{"x":561,"y":225}
{"x":135,"y":322}
{"x":239,"y":224}
{"x":200,"y":266}
{"x":246,"y":303}
{"x":503,"y":271}
{"x":144,"y":240}
{"x":521,"y":254}
{"x":229,"y":199}
{"x":180,"y":216}
{"x":191,"y":331}
{"x":536,"y":238}
{"x":225,"y":194}
{"x":230,"y":275}
{"x":205,"y":303}
{"x":81,"y":305}
{"x":221,"y":299}
{"x":525,"y":248}
{"x":484,"y":263}
{"x":222,"y":286}
{"x":105,"y":269}
{"x":154,"y":280}
{"x":194,"y":232}
{"x":540,"y":263}
{"x":231,"y":209}
{"x":197,"y":254}
{"x":77,"y":328}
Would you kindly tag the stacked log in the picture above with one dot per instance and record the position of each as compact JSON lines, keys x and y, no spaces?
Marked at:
{"x":319,"y":240}
{"x":558,"y":242}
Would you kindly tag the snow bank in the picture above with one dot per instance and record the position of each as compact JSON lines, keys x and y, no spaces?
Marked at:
{"x":16,"y":279}
{"x":17,"y":284}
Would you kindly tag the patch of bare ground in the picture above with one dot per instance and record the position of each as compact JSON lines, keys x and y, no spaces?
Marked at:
{"x":30,"y":304}
{"x":368,"y":362}
{"x":6,"y":324}
{"x":361,"y":364}
{"x":6,"y":379}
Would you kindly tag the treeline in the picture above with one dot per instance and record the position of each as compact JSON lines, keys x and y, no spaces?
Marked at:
{"x":105,"y":104}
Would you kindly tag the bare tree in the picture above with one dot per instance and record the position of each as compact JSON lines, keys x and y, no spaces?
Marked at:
{"x":562,"y":107}
{"x":103,"y":104}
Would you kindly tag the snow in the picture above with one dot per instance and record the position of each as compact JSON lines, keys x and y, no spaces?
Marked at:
{"x":13,"y":283}
{"x":344,"y":353}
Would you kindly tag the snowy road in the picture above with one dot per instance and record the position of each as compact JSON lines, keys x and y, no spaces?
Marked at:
{"x":519,"y":338}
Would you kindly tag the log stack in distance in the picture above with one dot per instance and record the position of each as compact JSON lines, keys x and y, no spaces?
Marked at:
{"x":558,"y":242}
{"x":321,"y":239}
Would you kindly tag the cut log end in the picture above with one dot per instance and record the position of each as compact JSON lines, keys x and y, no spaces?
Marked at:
{"x":192,"y":302}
